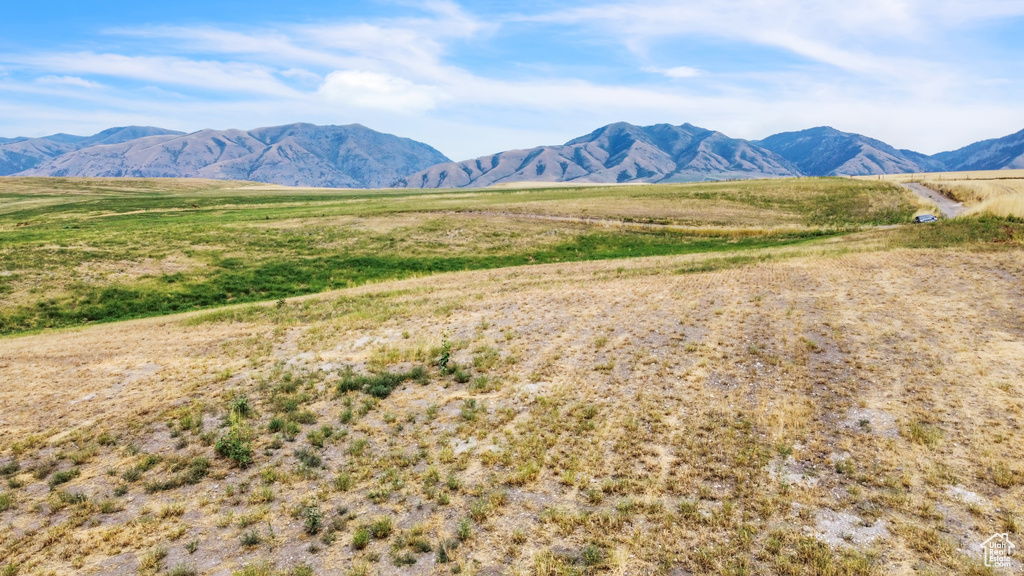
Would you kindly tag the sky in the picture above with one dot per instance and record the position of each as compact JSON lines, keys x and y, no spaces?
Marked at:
{"x":473,"y":78}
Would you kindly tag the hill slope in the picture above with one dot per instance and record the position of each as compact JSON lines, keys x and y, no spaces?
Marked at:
{"x":825,"y":151}
{"x":619,"y":152}
{"x":996,"y":154}
{"x":296,"y":155}
{"x":20,"y":154}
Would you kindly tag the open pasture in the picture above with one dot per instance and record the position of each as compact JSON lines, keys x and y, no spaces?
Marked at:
{"x":79,"y":251}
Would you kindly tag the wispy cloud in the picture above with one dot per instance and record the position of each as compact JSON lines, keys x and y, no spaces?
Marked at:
{"x":172,"y":70}
{"x":677,"y":72}
{"x":69,"y":81}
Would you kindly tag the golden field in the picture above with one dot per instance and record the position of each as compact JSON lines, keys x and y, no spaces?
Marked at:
{"x":999,"y":192}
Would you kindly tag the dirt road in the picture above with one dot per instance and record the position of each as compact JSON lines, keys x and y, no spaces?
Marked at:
{"x":949,"y":208}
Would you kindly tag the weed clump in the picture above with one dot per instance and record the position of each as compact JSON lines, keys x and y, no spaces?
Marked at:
{"x":381,"y":528}
{"x":6,"y":501}
{"x":380,"y":385}
{"x":194,"y":471}
{"x":64,"y":477}
{"x":360,"y":538}
{"x":923,"y":433}
{"x":236,"y":445}
{"x":308,"y":458}
{"x":312,"y":519}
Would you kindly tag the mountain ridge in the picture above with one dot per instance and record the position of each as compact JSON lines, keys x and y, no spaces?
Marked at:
{"x":616,"y":153}
{"x":350,"y":156}
{"x":354,"y":156}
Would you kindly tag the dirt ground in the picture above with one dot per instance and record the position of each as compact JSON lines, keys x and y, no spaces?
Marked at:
{"x":837,"y":414}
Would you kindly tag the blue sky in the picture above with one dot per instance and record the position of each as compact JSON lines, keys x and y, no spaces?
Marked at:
{"x":473,"y":78}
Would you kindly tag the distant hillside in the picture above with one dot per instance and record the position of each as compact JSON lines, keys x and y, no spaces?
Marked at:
{"x":20,"y":154}
{"x":295,"y":155}
{"x":618,"y":152}
{"x":996,"y":154}
{"x":825,"y":151}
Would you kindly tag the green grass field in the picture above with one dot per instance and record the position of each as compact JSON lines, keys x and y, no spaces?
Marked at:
{"x":77,"y":251}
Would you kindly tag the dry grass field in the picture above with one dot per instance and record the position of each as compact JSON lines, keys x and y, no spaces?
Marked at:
{"x":826,"y":413}
{"x":999,"y":192}
{"x":848,"y":405}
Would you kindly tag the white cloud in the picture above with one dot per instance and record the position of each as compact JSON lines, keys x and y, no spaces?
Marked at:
{"x":208,"y":74}
{"x":69,"y":81}
{"x":677,"y":72}
{"x":377,"y":90}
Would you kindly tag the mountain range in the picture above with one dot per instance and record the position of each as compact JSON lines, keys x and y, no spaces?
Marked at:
{"x":350,"y":156}
{"x":354,"y":156}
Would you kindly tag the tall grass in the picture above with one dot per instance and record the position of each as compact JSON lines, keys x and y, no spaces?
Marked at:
{"x":1009,"y":205}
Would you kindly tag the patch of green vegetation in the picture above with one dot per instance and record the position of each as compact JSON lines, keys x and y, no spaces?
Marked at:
{"x":115,"y":250}
{"x":379,"y":385}
{"x":236,"y":445}
{"x":978,"y":231}
{"x":193,"y":472}
{"x":64,"y":477}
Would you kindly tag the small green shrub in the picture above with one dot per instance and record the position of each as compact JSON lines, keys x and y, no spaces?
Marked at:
{"x":182,"y":570}
{"x":302,"y":417}
{"x":196,"y":469}
{"x":343,"y":482}
{"x":312,"y":519}
{"x":485,"y":358}
{"x":150,"y":561}
{"x":251,"y":538}
{"x":381,"y":528}
{"x":319,"y":436}
{"x":403,"y":559}
{"x":240,"y":406}
{"x":44,"y":469}
{"x":592,"y":555}
{"x":236,"y":445}
{"x":445,"y":354}
{"x":308,"y":458}
{"x":462,"y":376}
{"x":64,"y":477}
{"x":360,"y":538}
{"x":471,"y":409}
{"x":358,"y":447}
